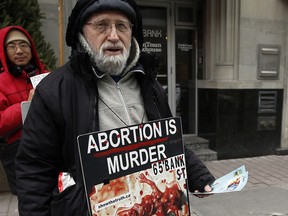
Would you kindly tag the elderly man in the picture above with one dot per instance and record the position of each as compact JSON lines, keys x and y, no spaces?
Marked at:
{"x":106,"y":84}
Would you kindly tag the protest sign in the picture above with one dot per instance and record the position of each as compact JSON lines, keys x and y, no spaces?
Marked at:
{"x":135,"y":169}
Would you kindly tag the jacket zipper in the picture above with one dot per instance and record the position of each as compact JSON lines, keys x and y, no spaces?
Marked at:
{"x":123,"y":102}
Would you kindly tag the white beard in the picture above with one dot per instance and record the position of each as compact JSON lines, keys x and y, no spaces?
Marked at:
{"x":110,"y":65}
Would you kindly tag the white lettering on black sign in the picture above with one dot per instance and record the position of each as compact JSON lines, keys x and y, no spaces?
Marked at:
{"x":152,"y":33}
{"x":152,"y":47}
{"x":185,"y":47}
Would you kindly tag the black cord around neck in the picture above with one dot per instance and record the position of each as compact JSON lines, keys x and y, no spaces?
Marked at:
{"x":113,"y":111}
{"x":118,"y":115}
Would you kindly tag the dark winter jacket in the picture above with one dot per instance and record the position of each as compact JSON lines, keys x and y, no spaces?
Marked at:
{"x":14,"y":88}
{"x":65,"y":106}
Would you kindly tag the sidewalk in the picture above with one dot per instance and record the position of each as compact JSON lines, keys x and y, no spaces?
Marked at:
{"x":266,"y":193}
{"x":8,"y":205}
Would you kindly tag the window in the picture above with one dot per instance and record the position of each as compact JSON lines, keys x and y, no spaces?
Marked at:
{"x":185,"y":15}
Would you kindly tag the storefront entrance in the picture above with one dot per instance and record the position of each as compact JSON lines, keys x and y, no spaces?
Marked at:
{"x":169,"y":32}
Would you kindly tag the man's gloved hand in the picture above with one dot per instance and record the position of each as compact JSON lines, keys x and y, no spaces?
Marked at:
{"x":207,"y":188}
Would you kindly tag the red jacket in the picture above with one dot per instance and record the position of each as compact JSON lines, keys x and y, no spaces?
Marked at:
{"x":14,"y":90}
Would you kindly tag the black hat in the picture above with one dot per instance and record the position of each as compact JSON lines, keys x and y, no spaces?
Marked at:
{"x":86,"y":8}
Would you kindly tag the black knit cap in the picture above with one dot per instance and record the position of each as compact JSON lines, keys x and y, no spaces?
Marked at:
{"x":86,"y":8}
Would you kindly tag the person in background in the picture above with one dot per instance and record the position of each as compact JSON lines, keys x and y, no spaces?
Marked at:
{"x":19,"y":61}
{"x":107,"y":83}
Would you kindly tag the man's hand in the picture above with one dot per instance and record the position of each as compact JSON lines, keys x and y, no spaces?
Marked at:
{"x":207,"y":188}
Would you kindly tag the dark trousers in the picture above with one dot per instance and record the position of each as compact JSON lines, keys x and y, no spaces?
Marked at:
{"x":8,"y":155}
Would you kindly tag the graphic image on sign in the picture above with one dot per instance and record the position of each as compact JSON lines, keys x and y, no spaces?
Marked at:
{"x":135,"y":170}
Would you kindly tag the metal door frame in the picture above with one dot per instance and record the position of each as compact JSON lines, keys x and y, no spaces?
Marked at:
{"x":171,"y":55}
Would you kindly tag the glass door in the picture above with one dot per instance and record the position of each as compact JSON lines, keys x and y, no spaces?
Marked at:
{"x":155,"y":38}
{"x":185,"y":51}
{"x":175,"y":43}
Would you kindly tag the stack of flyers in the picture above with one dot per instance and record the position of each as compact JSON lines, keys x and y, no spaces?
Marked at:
{"x":35,"y":80}
{"x":231,"y":182}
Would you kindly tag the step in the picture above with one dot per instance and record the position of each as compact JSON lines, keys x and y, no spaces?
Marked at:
{"x":206,"y":154}
{"x":200,"y":147}
{"x":195,"y":142}
{"x":281,"y":151}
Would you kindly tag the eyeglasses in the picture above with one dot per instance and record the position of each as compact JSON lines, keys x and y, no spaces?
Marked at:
{"x":103,"y":26}
{"x":13,"y":47}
